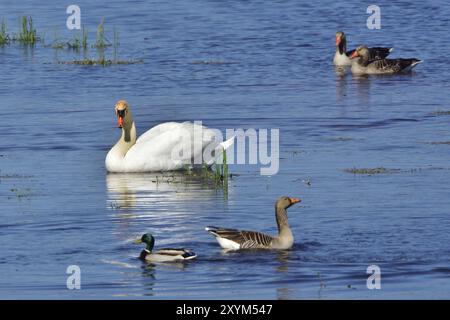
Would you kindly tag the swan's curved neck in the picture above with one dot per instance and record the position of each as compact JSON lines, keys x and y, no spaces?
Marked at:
{"x":126,"y":141}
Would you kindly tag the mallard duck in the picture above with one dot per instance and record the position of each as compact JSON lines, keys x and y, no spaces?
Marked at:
{"x":362,"y":63}
{"x":164,"y":254}
{"x":154,"y":150}
{"x":233,"y":239}
{"x":342,"y":56}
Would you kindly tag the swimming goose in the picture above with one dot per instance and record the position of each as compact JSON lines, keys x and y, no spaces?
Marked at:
{"x":155,"y":149}
{"x":233,"y":239}
{"x":363,"y":65}
{"x":342,"y":56}
{"x":162,"y":255}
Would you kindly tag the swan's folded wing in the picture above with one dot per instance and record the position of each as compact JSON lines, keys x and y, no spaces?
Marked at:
{"x":169,"y":146}
{"x":157,"y":130}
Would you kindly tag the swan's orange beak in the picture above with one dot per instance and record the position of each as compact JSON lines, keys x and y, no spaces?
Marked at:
{"x":119,"y":122}
{"x":295,"y":200}
{"x":338,"y":40}
{"x":354,"y":54}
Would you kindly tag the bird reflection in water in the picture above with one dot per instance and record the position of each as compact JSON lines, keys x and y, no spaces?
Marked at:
{"x":341,"y":82}
{"x":142,"y":190}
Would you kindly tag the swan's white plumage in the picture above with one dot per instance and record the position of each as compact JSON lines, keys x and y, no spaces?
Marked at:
{"x":155,"y":149}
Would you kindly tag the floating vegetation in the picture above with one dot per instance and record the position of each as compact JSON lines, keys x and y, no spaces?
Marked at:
{"x":15,"y":176}
{"x":79,"y":42}
{"x":21,"y":193}
{"x":371,"y":171}
{"x":341,"y":139}
{"x":439,"y":142}
{"x":382,"y":170}
{"x":217,"y":174}
{"x":4,"y":37}
{"x":101,"y":62}
{"x":56,"y":43}
{"x":441,"y":113}
{"x":218,"y":62}
{"x":27,"y":34}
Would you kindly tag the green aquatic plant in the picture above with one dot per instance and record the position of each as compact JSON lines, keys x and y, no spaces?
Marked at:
{"x":4,"y":37}
{"x":27,"y":34}
{"x":218,"y":175}
{"x":101,"y":41}
{"x":84,"y":42}
{"x":75,"y":44}
{"x":57,"y":43}
{"x":79,"y":41}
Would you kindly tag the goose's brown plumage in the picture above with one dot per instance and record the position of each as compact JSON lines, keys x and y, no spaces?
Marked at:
{"x":342,"y":56}
{"x":363,"y":65}
{"x":246,"y":239}
{"x":234,"y":239}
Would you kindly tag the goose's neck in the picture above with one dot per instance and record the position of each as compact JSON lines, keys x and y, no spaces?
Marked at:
{"x":342,"y":47}
{"x":363,"y":61}
{"x":282,"y":222}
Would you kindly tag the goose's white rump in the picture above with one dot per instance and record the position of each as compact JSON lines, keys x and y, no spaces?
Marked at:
{"x":167,"y":146}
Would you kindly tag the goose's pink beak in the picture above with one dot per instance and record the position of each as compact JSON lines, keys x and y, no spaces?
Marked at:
{"x":338,"y":40}
{"x":354,"y":54}
{"x":295,"y":200}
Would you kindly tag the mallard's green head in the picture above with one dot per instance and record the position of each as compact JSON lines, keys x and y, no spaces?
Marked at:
{"x":148,"y":239}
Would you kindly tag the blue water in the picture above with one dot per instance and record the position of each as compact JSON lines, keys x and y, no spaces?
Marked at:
{"x":231,"y":64}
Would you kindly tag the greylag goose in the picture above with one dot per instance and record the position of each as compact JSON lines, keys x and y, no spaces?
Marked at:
{"x":342,"y":56}
{"x":363,"y":65}
{"x":162,"y":255}
{"x":233,"y":239}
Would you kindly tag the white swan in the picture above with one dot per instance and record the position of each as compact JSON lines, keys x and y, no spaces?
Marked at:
{"x":167,"y":146}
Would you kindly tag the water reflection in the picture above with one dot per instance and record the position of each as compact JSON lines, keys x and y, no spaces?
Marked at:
{"x":150,"y":269}
{"x":283,"y":258}
{"x":362,"y":89}
{"x":148,"y":275}
{"x":143,"y":190}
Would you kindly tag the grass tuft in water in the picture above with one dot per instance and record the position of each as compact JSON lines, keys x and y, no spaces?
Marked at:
{"x":79,"y":41}
{"x":101,"y":41}
{"x":84,"y":42}
{"x":219,"y":174}
{"x":27,"y":33}
{"x":4,"y":37}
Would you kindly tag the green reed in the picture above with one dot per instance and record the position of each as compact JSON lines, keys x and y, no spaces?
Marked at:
{"x":27,"y":34}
